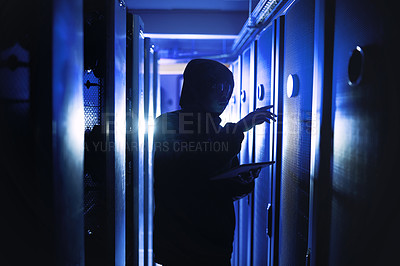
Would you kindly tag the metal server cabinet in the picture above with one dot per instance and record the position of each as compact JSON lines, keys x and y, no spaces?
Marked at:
{"x":42,"y":133}
{"x":245,"y":205}
{"x":135,"y":141}
{"x":148,"y":150}
{"x":363,"y":193}
{"x":105,"y":56}
{"x":95,"y":174}
{"x":262,"y":226}
{"x":114,"y":128}
{"x":296,"y":146}
{"x":119,"y":138}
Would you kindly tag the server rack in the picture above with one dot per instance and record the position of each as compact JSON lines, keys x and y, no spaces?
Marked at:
{"x":296,"y":145}
{"x":135,"y":141}
{"x":262,"y":150}
{"x":288,"y":180}
{"x":321,"y":139}
{"x":364,"y":200}
{"x":118,"y":185}
{"x":245,"y":205}
{"x":105,"y":47}
{"x":41,"y":112}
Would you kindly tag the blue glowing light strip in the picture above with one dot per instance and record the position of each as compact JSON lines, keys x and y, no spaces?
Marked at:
{"x":190,"y":36}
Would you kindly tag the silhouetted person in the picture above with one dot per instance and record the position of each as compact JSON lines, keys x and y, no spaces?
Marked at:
{"x":194,"y":218}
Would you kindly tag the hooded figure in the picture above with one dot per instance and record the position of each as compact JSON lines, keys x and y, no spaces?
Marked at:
{"x":194,"y":219}
{"x":207,"y":86}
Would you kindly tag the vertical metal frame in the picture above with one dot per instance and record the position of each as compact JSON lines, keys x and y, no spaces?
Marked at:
{"x":108,"y":129}
{"x":251,"y":140}
{"x":245,"y":204}
{"x":251,"y":97}
{"x":277,"y":96}
{"x":115,"y":130}
{"x":321,"y":143}
{"x":148,"y":150}
{"x":135,"y":141}
{"x":234,"y":115}
{"x":272,"y":137}
{"x":120,"y":129}
{"x":141,"y":131}
{"x":154,"y":111}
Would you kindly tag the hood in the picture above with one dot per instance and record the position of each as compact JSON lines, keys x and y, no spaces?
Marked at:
{"x":207,"y":86}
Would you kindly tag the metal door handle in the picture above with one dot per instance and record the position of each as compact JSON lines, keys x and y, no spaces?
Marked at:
{"x":356,"y":66}
{"x":269,"y":220}
{"x":260,"y":92}
{"x":243,"y":95}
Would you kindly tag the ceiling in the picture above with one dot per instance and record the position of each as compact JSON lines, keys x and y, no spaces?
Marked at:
{"x":186,"y":29}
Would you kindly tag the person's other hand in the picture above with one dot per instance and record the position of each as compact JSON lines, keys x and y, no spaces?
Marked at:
{"x":259,"y":116}
{"x":248,"y":177}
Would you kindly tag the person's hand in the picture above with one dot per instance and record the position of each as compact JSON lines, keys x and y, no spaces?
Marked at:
{"x":259,"y":116}
{"x":247,"y":177}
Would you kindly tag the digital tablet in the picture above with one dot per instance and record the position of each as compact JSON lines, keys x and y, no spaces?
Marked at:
{"x":243,"y":168}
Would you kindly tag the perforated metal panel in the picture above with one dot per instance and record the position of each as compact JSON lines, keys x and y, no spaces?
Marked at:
{"x":95,"y":204}
{"x":94,"y":171}
{"x":92,"y":99}
{"x":298,"y":62}
{"x":16,"y":164}
{"x":92,"y":95}
{"x":364,"y":222}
